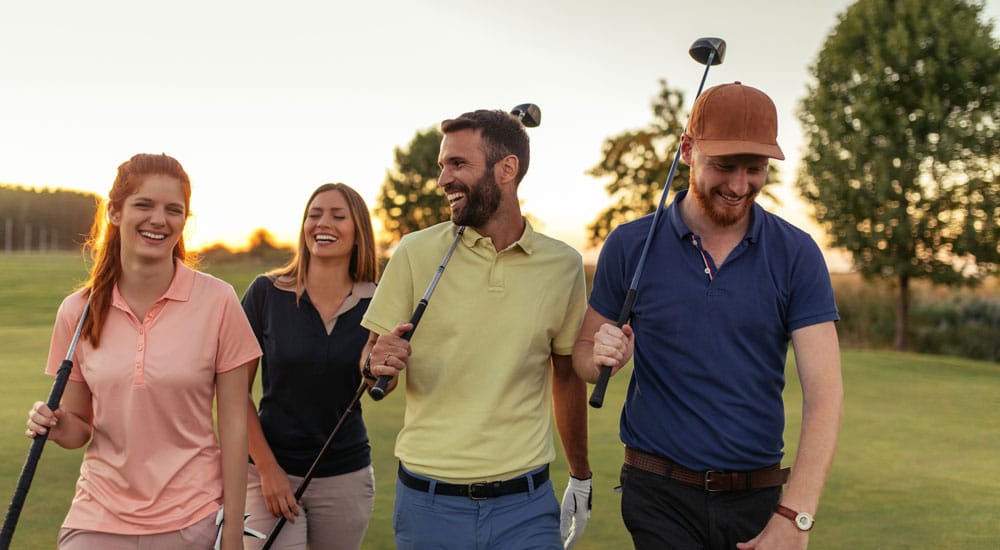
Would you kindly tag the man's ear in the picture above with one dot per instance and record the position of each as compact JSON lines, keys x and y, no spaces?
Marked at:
{"x":687,"y":147}
{"x":505,"y":170}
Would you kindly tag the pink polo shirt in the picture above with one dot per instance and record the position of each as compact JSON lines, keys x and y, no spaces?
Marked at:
{"x":154,"y":464}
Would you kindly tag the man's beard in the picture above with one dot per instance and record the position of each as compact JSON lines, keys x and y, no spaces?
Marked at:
{"x":720,"y":215}
{"x":482,"y":200}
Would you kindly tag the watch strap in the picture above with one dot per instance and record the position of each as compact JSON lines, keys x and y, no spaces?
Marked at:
{"x":802,"y":520}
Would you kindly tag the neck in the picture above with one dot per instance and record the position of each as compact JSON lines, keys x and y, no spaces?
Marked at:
{"x":145,"y":279}
{"x":505,"y":227}
{"x":328,"y":276}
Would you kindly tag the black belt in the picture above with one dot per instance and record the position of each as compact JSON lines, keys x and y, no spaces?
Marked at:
{"x":475,"y":491}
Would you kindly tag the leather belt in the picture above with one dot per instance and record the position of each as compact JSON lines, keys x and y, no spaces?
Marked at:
{"x":475,"y":491}
{"x":711,"y":481}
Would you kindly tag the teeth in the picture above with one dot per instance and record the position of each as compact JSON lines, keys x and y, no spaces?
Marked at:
{"x":326,"y":238}
{"x":452,"y":197}
{"x":149,"y":235}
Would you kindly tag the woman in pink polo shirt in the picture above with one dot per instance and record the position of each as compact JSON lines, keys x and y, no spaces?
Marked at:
{"x":160,"y":341}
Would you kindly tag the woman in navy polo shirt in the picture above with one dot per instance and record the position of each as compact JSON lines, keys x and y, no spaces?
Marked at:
{"x":307,"y":316}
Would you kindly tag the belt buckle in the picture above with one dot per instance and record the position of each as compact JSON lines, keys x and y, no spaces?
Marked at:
{"x":472,"y":490}
{"x":708,"y":481}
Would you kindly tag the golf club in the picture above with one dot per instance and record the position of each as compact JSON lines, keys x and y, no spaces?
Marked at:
{"x":708,"y":52}
{"x":38,"y":443}
{"x":530,"y":116}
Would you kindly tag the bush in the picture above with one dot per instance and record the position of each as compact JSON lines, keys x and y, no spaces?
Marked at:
{"x":943,"y":321}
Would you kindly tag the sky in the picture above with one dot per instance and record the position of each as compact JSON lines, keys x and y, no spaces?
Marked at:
{"x":264,"y":101}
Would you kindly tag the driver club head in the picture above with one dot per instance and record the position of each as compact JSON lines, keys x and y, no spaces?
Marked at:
{"x":528,"y":113}
{"x":703,"y":48}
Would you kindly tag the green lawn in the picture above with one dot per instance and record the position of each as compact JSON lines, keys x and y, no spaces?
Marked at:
{"x":917,"y":466}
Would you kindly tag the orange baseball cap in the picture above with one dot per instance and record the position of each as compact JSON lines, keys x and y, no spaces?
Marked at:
{"x":733,"y":119}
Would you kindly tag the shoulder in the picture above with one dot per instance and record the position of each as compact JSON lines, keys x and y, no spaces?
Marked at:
{"x":773,"y":228}
{"x":429,"y":235}
{"x":545,"y":244}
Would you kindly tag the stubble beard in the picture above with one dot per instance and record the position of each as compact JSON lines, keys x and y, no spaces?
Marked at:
{"x":482,"y":200}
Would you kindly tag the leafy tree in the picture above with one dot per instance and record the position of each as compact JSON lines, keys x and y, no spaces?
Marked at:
{"x":637,"y":163}
{"x":902,"y":128}
{"x":409,"y":199}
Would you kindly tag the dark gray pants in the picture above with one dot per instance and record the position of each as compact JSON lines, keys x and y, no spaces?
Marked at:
{"x":663,"y":513}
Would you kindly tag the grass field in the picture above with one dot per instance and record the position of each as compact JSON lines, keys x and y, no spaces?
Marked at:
{"x":918,"y":464}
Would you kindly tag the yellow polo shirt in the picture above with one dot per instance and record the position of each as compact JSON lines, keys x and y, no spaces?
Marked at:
{"x":479,"y":381}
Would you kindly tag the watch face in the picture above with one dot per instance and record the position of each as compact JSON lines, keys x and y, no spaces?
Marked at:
{"x":804,"y":521}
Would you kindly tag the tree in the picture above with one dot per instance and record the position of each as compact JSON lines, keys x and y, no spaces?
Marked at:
{"x":409,"y":199}
{"x":638,"y":162}
{"x":901,"y":122}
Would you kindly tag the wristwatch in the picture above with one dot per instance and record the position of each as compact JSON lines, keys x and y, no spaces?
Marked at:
{"x":802,"y":520}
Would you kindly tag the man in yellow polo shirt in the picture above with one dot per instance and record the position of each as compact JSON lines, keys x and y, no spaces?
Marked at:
{"x":491,"y":357}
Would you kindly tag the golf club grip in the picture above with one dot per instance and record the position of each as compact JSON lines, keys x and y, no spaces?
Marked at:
{"x":378,"y":390}
{"x":597,"y":397}
{"x":31,"y":463}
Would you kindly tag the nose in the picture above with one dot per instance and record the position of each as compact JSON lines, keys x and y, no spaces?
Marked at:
{"x":739,"y":183}
{"x":158,"y":217}
{"x":445,"y":177}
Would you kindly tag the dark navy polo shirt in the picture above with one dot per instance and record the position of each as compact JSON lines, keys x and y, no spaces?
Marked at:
{"x":710,"y":353}
{"x":308,"y":379}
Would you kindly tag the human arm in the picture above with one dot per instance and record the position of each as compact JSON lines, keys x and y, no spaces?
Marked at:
{"x":69,"y":426}
{"x":569,"y":397}
{"x":274,"y":483}
{"x":230,"y":393}
{"x":601,"y":343}
{"x":817,"y":356}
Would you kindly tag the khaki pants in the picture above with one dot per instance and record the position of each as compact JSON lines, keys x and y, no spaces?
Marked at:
{"x":333,"y":512}
{"x":199,"y":536}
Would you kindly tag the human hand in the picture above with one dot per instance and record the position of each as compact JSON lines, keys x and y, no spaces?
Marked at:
{"x":277,"y":491}
{"x":613,"y":346}
{"x":779,"y":533}
{"x":575,"y":510}
{"x":41,"y":419}
{"x":391,"y":352}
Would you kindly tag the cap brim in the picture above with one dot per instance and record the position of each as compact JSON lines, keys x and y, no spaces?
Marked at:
{"x":718,"y":148}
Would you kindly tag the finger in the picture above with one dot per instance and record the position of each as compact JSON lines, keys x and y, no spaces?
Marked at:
{"x":402,"y":329}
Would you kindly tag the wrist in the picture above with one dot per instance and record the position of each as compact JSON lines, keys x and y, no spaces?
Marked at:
{"x":803,"y":521}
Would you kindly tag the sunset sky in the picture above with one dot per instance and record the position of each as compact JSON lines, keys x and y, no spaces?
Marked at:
{"x":263,"y":101}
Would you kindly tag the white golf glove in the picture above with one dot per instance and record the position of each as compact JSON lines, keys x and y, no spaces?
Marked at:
{"x":575,"y":510}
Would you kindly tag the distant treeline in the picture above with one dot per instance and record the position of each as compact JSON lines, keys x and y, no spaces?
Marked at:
{"x":44,"y":219}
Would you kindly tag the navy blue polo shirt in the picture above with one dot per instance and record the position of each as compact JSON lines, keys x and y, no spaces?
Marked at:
{"x":308,"y":378}
{"x":710,"y":353}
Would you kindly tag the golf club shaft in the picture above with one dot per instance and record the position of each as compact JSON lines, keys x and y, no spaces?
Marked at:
{"x":312,"y":469}
{"x":379,"y":389}
{"x":597,"y":397}
{"x":38,"y":443}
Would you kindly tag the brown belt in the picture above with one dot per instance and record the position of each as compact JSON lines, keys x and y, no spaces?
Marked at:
{"x":712,"y":481}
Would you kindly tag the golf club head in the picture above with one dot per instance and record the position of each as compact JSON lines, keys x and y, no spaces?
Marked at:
{"x":705,"y":47}
{"x":528,"y":113}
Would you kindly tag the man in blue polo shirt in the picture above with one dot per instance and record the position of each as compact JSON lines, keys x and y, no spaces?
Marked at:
{"x":726,"y":287}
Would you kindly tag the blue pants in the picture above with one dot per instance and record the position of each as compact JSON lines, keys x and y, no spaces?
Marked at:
{"x":525,"y":520}
{"x":663,"y":513}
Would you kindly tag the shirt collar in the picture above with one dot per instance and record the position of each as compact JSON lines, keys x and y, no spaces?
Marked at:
{"x":471,"y":238}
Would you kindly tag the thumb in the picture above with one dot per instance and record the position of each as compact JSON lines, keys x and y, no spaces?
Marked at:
{"x":402,"y":329}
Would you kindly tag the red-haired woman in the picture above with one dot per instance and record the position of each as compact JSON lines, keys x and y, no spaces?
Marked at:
{"x":160,"y":341}
{"x":307,"y":317}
